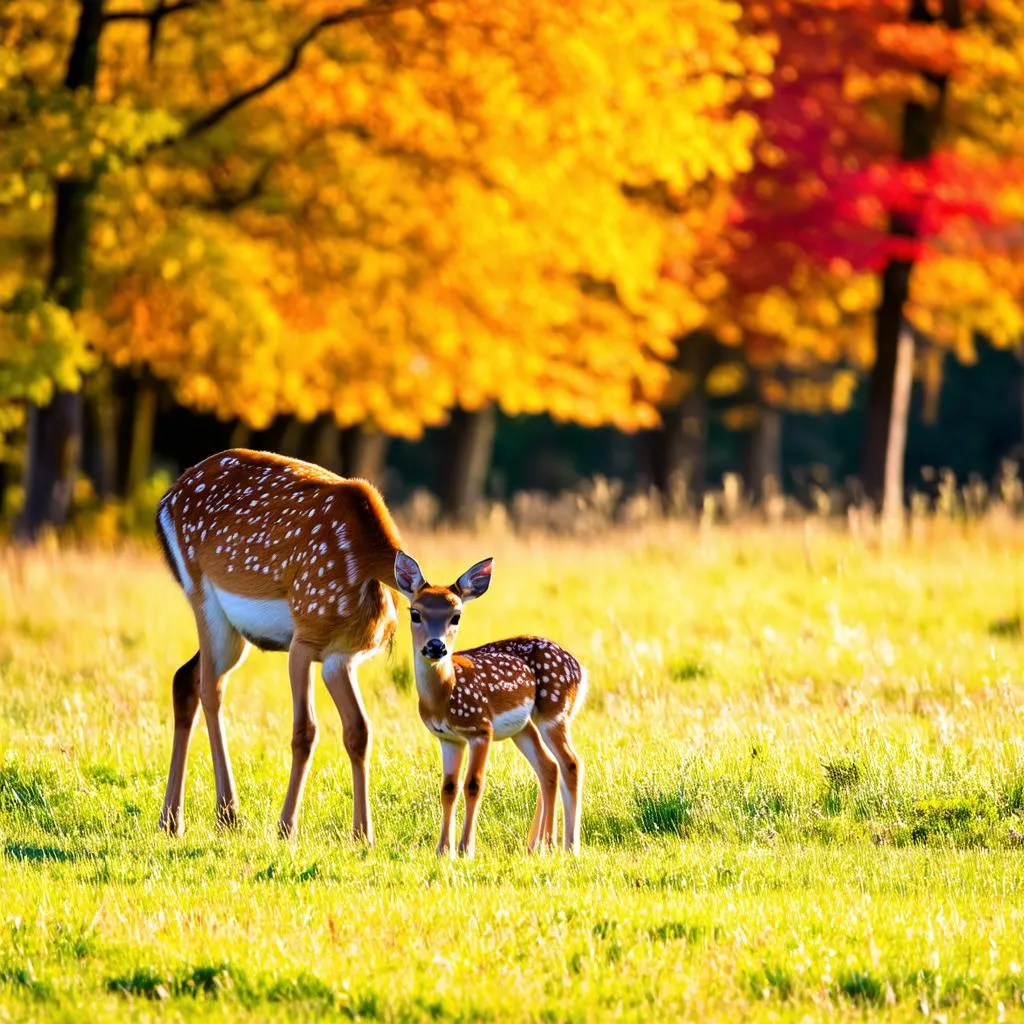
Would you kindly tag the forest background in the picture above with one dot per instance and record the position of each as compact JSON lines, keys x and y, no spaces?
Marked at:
{"x":489,"y":248}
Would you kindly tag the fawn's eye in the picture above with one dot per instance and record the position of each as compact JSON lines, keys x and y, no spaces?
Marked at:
{"x":455,"y":619}
{"x":414,"y":615}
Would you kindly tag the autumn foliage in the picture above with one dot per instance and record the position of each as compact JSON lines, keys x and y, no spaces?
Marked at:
{"x":383,"y":211}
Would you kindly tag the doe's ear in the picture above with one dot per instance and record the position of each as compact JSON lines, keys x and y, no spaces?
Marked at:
{"x":408,"y":575}
{"x":475,"y":580}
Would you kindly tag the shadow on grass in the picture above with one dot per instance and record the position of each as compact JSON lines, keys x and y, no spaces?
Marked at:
{"x":1010,"y":628}
{"x":223,"y":981}
{"x":30,"y":853}
{"x":659,"y":813}
{"x":20,"y":790}
{"x":24,"y":980}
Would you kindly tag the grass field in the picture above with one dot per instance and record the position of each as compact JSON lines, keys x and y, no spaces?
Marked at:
{"x":804,"y":799}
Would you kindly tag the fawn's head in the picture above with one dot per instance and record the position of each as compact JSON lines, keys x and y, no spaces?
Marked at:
{"x":435,"y":611}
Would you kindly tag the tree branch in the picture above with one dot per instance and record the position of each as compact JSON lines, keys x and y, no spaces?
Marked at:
{"x":160,"y":11}
{"x":374,"y":9}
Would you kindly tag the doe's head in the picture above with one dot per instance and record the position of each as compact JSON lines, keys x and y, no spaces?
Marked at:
{"x":435,"y":612}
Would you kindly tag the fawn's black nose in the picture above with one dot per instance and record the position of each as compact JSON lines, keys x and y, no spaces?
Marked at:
{"x":434,"y":649}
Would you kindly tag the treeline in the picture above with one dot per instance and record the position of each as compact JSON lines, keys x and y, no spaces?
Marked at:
{"x":972,"y":427}
{"x":328,"y":224}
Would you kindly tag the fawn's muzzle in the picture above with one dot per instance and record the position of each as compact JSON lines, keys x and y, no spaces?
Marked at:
{"x":435,"y":650}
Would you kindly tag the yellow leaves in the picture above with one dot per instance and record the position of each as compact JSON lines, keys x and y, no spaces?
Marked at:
{"x":841,"y":390}
{"x":41,"y":347}
{"x":860,"y":295}
{"x":170,"y":269}
{"x":469,"y":207}
{"x":726,"y":379}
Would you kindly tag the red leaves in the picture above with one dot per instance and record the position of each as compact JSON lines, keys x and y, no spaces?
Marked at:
{"x":834,"y":188}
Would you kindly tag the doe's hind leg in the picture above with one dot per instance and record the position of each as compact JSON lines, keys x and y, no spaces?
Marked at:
{"x":221,"y":650}
{"x":185,"y":690}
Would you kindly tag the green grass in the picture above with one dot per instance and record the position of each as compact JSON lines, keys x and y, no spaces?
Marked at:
{"x":804,"y":799}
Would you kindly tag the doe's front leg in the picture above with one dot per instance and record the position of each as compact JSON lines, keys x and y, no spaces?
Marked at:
{"x":340,"y":678}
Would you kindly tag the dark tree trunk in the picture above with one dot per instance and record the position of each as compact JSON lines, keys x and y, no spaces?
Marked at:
{"x":920,"y":128}
{"x":364,"y":453}
{"x":323,"y":443}
{"x":55,"y":430}
{"x":468,"y":445}
{"x":140,"y":454}
{"x":101,"y":435}
{"x":241,"y":435}
{"x":285,"y":436}
{"x":676,"y":451}
{"x":762,"y":455}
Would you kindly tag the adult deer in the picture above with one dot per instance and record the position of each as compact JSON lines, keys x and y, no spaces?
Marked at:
{"x":526,"y":689}
{"x":283,"y":555}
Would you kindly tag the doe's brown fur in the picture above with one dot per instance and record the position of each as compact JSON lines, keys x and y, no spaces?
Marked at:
{"x":285,"y":555}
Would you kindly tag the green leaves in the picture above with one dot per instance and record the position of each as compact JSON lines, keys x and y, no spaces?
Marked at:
{"x":41,"y":348}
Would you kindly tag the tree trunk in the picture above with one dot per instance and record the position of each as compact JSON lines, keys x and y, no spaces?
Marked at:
{"x":919,"y":130}
{"x":364,"y":453}
{"x":287,"y":435}
{"x":468,"y":446}
{"x":903,"y":383}
{"x":677,"y":449}
{"x":101,"y":429}
{"x":140,"y":454}
{"x":323,"y":443}
{"x":932,"y":358}
{"x":763,"y":455}
{"x":55,"y":430}
{"x":241,"y":435}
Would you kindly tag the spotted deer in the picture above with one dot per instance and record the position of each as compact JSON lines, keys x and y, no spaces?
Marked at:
{"x":285,"y":556}
{"x":526,"y":689}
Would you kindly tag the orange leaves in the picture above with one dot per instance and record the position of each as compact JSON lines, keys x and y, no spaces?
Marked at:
{"x":931,"y":48}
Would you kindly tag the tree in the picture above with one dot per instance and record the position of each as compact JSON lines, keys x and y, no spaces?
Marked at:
{"x":424,"y":211}
{"x":890,"y":149}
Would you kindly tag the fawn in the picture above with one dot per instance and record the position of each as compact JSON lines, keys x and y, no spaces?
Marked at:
{"x":284,"y":555}
{"x":522,"y":689}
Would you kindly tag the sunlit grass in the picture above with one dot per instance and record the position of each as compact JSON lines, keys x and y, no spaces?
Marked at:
{"x":804,"y":797}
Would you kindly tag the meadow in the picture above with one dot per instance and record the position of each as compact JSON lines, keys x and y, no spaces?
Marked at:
{"x":804,"y":797}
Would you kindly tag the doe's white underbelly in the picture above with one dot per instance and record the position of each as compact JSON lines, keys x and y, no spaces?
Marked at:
{"x":266,"y":618}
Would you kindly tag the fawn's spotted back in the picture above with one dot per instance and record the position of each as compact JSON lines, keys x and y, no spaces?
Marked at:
{"x":499,"y":678}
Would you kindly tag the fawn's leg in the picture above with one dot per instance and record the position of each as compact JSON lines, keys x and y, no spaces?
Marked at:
{"x":451,"y":761}
{"x":185,"y":690}
{"x":304,"y":732}
{"x":342,"y":685}
{"x":542,"y":830}
{"x":556,"y":736}
{"x":479,"y":748}
{"x":221,"y":649}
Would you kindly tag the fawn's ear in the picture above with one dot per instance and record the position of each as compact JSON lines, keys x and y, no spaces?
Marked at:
{"x":408,"y":575}
{"x":474,"y":581}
